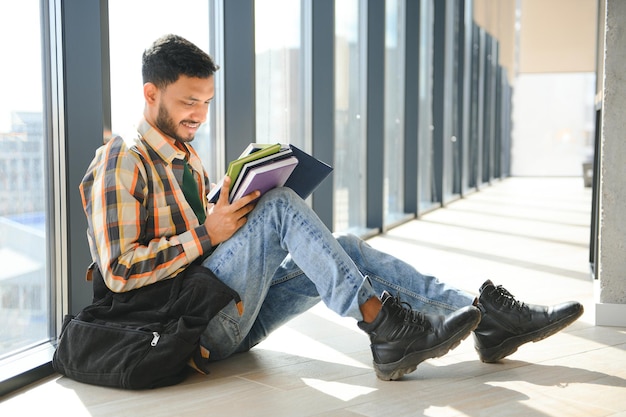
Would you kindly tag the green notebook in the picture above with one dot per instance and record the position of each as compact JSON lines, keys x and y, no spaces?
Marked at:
{"x":234,"y":168}
{"x":253,"y":152}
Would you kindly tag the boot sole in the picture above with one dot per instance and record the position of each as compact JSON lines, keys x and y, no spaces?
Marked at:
{"x":510,"y":345}
{"x":396,"y":370}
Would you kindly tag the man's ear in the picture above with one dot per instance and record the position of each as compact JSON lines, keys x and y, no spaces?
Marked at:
{"x":150,"y":93}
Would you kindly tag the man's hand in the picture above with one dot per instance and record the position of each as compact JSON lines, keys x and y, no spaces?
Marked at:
{"x":224,"y":219}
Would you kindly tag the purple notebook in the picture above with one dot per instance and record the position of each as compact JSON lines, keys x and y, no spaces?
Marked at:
{"x":266,"y":177}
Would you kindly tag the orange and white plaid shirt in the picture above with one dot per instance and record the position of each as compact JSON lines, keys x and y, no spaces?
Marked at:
{"x":141,"y":229}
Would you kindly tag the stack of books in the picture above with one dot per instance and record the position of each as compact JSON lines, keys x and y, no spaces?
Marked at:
{"x":265,"y":166}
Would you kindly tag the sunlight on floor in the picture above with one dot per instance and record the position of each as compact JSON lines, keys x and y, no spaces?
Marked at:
{"x":307,"y":347}
{"x":434,"y":411}
{"x":342,"y":391}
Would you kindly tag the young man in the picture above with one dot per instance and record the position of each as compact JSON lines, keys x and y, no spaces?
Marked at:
{"x":148,"y":219}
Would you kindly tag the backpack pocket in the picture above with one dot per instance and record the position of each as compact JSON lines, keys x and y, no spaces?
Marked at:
{"x":110,"y":354}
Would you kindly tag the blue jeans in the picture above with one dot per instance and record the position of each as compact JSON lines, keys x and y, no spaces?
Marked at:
{"x":284,"y":260}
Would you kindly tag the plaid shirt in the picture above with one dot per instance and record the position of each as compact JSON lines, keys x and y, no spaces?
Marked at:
{"x":140,"y":227}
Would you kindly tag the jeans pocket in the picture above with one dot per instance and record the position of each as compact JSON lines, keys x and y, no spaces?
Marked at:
{"x":223,"y":335}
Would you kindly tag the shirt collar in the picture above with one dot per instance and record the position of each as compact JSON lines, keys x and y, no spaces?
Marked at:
{"x":162,"y":145}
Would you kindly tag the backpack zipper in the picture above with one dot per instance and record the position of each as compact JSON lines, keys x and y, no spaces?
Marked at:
{"x":155,"y":338}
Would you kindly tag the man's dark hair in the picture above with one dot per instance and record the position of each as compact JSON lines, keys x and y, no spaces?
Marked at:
{"x":171,"y":56}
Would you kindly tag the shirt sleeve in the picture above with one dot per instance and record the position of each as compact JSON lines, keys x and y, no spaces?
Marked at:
{"x":114,"y":193}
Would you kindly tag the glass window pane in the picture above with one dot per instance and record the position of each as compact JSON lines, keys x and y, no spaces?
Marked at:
{"x":425,"y":114}
{"x":474,"y":144}
{"x":394,"y":111}
{"x":24,"y":280}
{"x":187,"y":18}
{"x":279,"y":67}
{"x":350,"y":112}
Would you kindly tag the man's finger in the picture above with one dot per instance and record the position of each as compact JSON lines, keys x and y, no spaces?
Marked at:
{"x":224,"y":191}
{"x":246,"y":199}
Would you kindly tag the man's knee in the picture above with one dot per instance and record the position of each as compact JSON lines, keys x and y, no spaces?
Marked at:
{"x":282,"y":197}
{"x":283,"y":193}
{"x":348,"y":240}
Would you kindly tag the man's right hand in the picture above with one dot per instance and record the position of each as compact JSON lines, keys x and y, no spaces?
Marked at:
{"x":223,"y":218}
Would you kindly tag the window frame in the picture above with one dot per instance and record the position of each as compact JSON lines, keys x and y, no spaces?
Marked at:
{"x":34,"y":362}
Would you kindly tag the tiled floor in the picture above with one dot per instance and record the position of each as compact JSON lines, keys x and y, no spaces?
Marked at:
{"x":531,"y":235}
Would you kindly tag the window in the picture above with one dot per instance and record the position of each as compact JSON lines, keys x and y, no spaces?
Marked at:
{"x":394,"y":111}
{"x":25,"y":286}
{"x":426,"y":177}
{"x":281,"y":58}
{"x":350,"y":112}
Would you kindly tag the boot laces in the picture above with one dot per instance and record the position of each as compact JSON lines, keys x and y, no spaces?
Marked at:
{"x":409,"y":316}
{"x":506,"y":299}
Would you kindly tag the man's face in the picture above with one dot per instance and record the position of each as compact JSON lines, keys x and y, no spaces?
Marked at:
{"x":182,"y":107}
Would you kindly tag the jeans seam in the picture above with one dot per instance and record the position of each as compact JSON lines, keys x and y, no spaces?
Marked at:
{"x":287,"y":277}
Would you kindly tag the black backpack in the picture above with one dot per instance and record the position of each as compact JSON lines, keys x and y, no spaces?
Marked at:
{"x":143,"y":338}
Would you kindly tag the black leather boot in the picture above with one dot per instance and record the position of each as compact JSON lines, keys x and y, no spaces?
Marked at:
{"x":508,"y":323}
{"x":402,"y":338}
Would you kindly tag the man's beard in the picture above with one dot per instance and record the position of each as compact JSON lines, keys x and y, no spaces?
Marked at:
{"x":167,"y":125}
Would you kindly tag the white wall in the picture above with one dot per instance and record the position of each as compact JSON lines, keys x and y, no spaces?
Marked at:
{"x":611,"y":306}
